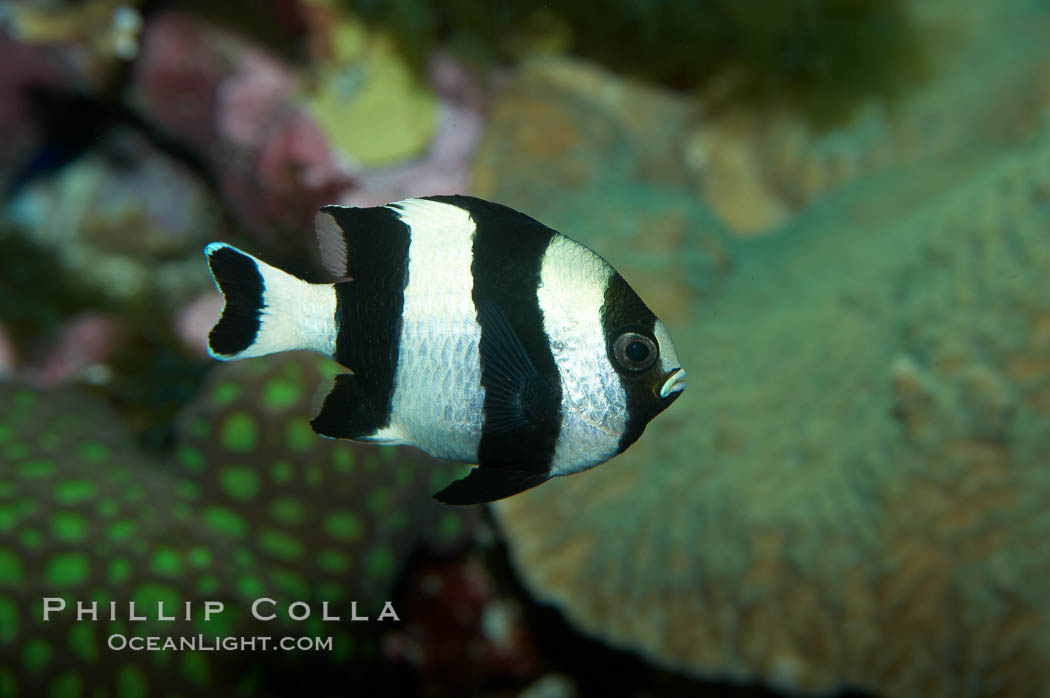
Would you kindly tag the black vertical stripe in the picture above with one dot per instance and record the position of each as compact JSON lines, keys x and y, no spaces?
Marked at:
{"x":623,"y":309}
{"x":369,"y":308}
{"x":507,"y":255}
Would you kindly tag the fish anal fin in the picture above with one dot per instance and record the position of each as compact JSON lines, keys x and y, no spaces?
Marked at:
{"x":489,"y":484}
{"x":347,"y":413}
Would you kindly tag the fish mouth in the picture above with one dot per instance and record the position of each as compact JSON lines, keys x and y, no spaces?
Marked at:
{"x":675,"y":383}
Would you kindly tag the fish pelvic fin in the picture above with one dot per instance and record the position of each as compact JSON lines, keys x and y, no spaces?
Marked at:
{"x":267,"y":310}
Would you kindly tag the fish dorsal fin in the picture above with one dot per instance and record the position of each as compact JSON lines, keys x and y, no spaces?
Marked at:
{"x":512,"y":383}
{"x":487,"y":484}
{"x":331,"y":241}
{"x":493,"y":214}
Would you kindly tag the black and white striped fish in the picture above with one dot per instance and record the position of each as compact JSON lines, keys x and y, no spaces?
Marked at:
{"x":474,"y":333}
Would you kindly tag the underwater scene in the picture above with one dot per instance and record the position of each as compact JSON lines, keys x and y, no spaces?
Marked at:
{"x":838,"y":209}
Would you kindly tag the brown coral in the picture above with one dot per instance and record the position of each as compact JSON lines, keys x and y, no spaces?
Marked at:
{"x":853,"y":490}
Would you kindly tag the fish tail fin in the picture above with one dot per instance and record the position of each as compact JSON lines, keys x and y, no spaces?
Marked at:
{"x":267,"y":310}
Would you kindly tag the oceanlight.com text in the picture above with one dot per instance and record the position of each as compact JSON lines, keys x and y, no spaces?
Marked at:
{"x":205,"y":643}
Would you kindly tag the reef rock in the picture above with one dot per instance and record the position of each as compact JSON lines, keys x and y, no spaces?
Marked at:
{"x":852,"y":491}
{"x":125,"y":219}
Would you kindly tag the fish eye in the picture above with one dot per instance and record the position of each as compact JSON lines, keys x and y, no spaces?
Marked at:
{"x":634,"y":352}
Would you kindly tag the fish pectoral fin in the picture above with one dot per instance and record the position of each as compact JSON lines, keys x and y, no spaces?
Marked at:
{"x":331,"y":241}
{"x":513,"y":387}
{"x":489,"y":484}
{"x":347,"y":413}
{"x":340,"y":231}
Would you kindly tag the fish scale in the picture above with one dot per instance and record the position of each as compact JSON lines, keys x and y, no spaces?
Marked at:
{"x":439,"y":337}
{"x":436,"y":368}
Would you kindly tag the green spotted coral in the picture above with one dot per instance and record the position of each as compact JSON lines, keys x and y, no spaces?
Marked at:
{"x":87,"y":517}
{"x":251,"y":503}
{"x":339,"y":514}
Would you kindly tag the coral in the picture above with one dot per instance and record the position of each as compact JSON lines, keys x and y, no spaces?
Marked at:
{"x":852,"y":491}
{"x":84,"y":341}
{"x":93,"y":254}
{"x":445,"y":167}
{"x":341,"y":515}
{"x":8,"y":356}
{"x":233,"y":106}
{"x":125,"y":219}
{"x":366,"y":96}
{"x":823,"y":56}
{"x":87,"y":516}
{"x":597,"y":158}
{"x":759,"y":168}
{"x":27,"y":69}
{"x":107,"y":28}
{"x":178,"y":75}
{"x":193,"y":321}
{"x":30,"y":310}
{"x":464,"y":633}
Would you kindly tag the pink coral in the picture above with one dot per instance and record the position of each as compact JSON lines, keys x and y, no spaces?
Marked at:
{"x":84,"y":340}
{"x":8,"y":359}
{"x":195,"y":319}
{"x":252,"y":97}
{"x":177,"y":76}
{"x":234,"y":105}
{"x":24,"y":68}
{"x":297,"y":171}
{"x":462,"y":634}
